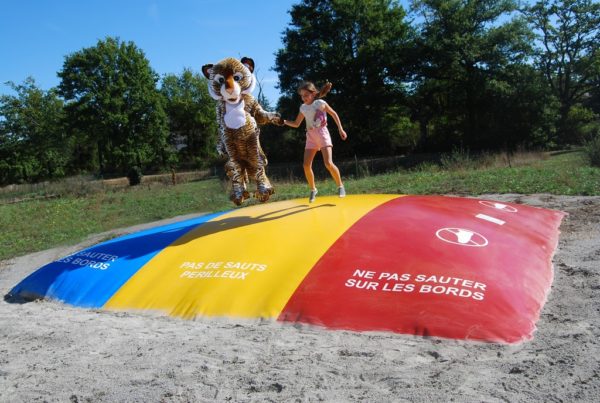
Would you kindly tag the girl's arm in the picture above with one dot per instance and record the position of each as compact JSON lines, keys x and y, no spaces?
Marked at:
{"x":336,"y":118}
{"x":296,"y":122}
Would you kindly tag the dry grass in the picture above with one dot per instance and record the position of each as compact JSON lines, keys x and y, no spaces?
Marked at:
{"x":518,"y":159}
{"x":83,"y":185}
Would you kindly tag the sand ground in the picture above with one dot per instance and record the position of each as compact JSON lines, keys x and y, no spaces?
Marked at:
{"x":54,"y":352}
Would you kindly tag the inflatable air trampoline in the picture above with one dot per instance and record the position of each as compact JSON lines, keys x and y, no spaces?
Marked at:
{"x":452,"y":267}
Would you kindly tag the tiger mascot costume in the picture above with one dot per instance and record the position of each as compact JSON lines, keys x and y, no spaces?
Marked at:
{"x":230,"y":83}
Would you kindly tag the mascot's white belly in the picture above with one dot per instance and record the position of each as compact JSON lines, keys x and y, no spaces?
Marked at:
{"x":235,"y":115}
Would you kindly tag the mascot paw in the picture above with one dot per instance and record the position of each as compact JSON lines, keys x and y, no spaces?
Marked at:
{"x":278,"y":120}
{"x":238,"y":197}
{"x":236,"y":200}
{"x":263,"y":194}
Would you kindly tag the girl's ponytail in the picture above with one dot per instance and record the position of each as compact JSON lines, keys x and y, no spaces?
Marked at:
{"x":324,"y":90}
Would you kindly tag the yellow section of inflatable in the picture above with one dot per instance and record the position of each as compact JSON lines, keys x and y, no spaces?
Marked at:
{"x":245,"y":263}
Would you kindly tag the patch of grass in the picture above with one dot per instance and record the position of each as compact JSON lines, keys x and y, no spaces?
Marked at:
{"x":42,"y":224}
{"x":566,"y":174}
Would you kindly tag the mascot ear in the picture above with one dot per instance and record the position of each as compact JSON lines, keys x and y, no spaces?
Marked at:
{"x":206,"y":70}
{"x":249,"y":63}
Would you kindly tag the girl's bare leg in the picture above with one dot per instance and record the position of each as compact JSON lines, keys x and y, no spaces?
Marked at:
{"x":309,"y":155}
{"x":331,"y":167}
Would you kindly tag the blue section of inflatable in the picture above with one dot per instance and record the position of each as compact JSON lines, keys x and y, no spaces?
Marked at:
{"x":90,"y":277}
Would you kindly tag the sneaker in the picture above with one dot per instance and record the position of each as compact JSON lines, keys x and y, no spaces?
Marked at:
{"x":313,"y":195}
{"x":341,"y":191}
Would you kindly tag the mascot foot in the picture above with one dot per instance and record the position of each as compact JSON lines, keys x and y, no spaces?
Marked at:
{"x":238,"y":197}
{"x":236,"y":200}
{"x":263,"y":194}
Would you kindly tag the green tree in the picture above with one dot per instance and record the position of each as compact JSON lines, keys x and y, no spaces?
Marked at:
{"x":192,"y":119}
{"x":33,"y":143}
{"x":567,"y":54}
{"x":113,"y":105}
{"x":522,"y":110}
{"x":468,"y":71}
{"x":593,"y":101}
{"x":363,"y":48}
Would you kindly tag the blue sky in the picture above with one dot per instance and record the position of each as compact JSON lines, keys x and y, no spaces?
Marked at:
{"x":36,"y":35}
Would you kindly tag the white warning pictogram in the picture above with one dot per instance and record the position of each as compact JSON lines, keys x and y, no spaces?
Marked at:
{"x":499,"y":206}
{"x":461,"y":236}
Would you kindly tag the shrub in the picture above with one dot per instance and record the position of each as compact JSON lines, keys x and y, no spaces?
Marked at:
{"x":135,"y":176}
{"x":592,"y":150}
{"x":459,"y":159}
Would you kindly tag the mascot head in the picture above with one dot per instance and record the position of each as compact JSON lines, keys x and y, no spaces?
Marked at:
{"x":230,"y":78}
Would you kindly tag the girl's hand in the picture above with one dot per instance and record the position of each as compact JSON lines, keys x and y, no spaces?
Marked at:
{"x":343,"y":134}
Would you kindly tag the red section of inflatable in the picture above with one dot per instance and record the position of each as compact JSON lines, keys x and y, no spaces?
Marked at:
{"x":438,"y":266}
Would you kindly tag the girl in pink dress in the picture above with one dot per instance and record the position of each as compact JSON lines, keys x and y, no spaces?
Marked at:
{"x":315,"y":111}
